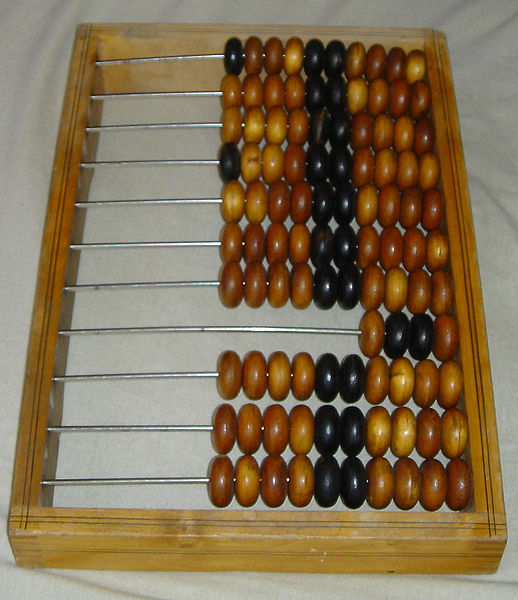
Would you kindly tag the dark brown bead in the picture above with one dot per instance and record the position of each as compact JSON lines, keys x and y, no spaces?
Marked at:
{"x":301,"y":285}
{"x":276,"y":429}
{"x":248,"y":480}
{"x":362,"y":171}
{"x":302,"y":429}
{"x":380,"y":479}
{"x":407,"y":170}
{"x":396,"y":289}
{"x":278,"y":278}
{"x":231,"y":128}
{"x":377,"y":382}
{"x":429,"y":170}
{"x":454,"y":433}
{"x":366,"y":205}
{"x":231,"y":242}
{"x":399,"y":98}
{"x":442,"y":292}
{"x":249,"y":428}
{"x":273,"y":91}
{"x":298,"y":125}
{"x":414,"y":249}
{"x":419,"y":99}
{"x":221,"y":481}
{"x":253,"y":55}
{"x":419,"y":291}
{"x":302,"y":376}
{"x":294,"y":164}
{"x":391,"y":248}
{"x":388,"y":206}
{"x":255,"y":289}
{"x":293,"y":55}
{"x":446,"y":337}
{"x":368,"y":246}
{"x":279,"y":378}
{"x":231,"y":287}
{"x":396,"y":64}
{"x":378,"y":431}
{"x":372,"y":329}
{"x":299,"y":243}
{"x":403,"y":133}
{"x":426,"y":385}
{"x":224,"y":428}
{"x":230,"y":91}
{"x":229,"y":375}
{"x":428,"y":441}
{"x":424,"y":135}
{"x":274,"y":484}
{"x":403,"y":432}
{"x":378,"y":97}
{"x":433,"y":209}
{"x":355,"y":60}
{"x":407,"y":483}
{"x":276,"y":243}
{"x":272,"y":163}
{"x":451,"y":384}
{"x":273,"y":55}
{"x":357,"y":95}
{"x":459,"y":484}
{"x":255,"y":375}
{"x":301,"y":202}
{"x":232,"y":201}
{"x":415,"y":66}
{"x":254,"y":243}
{"x":253,"y":93}
{"x":437,"y":250}
{"x":401,"y":381}
{"x":382,"y":132}
{"x":411,"y":207}
{"x":433,"y":484}
{"x":385,"y":168}
{"x":375,"y":62}
{"x":372,"y":288}
{"x":361,"y":130}
{"x":301,"y":480}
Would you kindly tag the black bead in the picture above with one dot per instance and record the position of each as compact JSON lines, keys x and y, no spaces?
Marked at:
{"x":336,"y":93}
{"x":324,"y":203}
{"x":317,"y":164}
{"x":352,"y":430}
{"x":319,"y":123}
{"x":352,"y":378}
{"x":421,"y":336}
{"x":345,"y":203}
{"x":340,"y":128}
{"x":353,"y":482}
{"x":335,"y":58}
{"x":234,"y":57}
{"x":349,"y":286}
{"x":327,"y":377}
{"x":314,"y":57}
{"x":327,"y":430}
{"x":321,"y":249}
{"x":345,"y":245}
{"x":340,"y":164}
{"x":327,"y":481}
{"x":229,"y":162}
{"x":397,"y":333}
{"x":324,"y":287}
{"x":316,"y":94}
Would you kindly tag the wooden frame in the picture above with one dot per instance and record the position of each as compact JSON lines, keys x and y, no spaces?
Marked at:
{"x":316,"y":541}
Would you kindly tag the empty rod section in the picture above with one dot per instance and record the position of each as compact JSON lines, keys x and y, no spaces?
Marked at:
{"x":147,"y":202}
{"x":151,"y":59}
{"x":180,"y":162}
{"x":125,"y":428}
{"x":177,"y":94}
{"x":120,"y":376}
{"x":124,"y":481}
{"x":113,"y":245}
{"x":147,"y":126}
{"x":136,"y":285}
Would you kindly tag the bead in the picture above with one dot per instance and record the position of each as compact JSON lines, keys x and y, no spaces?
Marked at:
{"x":233,"y":57}
{"x":410,"y":208}
{"x":316,"y":92}
{"x":378,"y":97}
{"x":424,"y":135}
{"x":255,"y":379}
{"x":293,"y":55}
{"x":375,"y":62}
{"x":459,"y":484}
{"x":407,"y":483}
{"x":454,"y":433}
{"x":301,"y":481}
{"x":278,"y":201}
{"x":294,"y":93}
{"x":353,"y":489}
{"x":321,"y":245}
{"x":396,"y":64}
{"x":348,"y":286}
{"x":254,"y":243}
{"x":372,"y":287}
{"x":249,"y":428}
{"x":276,"y":429}
{"x":446,"y":336}
{"x":391,"y":247}
{"x":273,"y":163}
{"x":274,"y":484}
{"x":357,"y":95}
{"x":419,"y":291}
{"x":367,"y":204}
{"x":314,"y":57}
{"x":451,"y":383}
{"x":345,"y":245}
{"x":251,"y":162}
{"x":319,"y":126}
{"x":345,"y":203}
{"x":385,"y":168}
{"x":414,"y":249}
{"x":407,"y":170}
{"x":278,"y":278}
{"x":221,"y":481}
{"x":433,"y":484}
{"x":253,"y":55}
{"x":382,"y":132}
{"x":327,"y":429}
{"x":231,"y":129}
{"x":363,"y":167}
{"x":399,"y":101}
{"x":299,"y":243}
{"x":428,"y":441}
{"x":224,"y":428}
{"x":231,"y":288}
{"x":404,"y":132}
{"x":397,"y":330}
{"x":256,"y":202}
{"x":301,"y":285}
{"x":339,"y":164}
{"x":335,"y":58}
{"x":294,"y":163}
{"x":420,"y":342}
{"x":336,"y":93}
{"x":229,"y":162}
{"x":273,"y":55}
{"x":401,"y":381}
{"x":426,"y":385}
{"x":377,"y":380}
{"x":298,"y":126}
{"x":276,"y":125}
{"x":302,"y":376}
{"x":327,"y":481}
{"x":442,"y":292}
{"x":388,"y":206}
{"x":231,"y":242}
{"x":352,"y":378}
{"x":355,"y":60}
{"x":396,"y":289}
{"x":327,"y":374}
{"x":380,"y":478}
{"x":433,"y":209}
{"x":248,"y":480}
{"x":352,"y":430}
{"x":253,"y":97}
{"x":301,"y":202}
{"x":317,"y":164}
{"x":276,"y":243}
{"x":372,"y":330}
{"x":415,"y":66}
{"x":429,"y":170}
{"x":255,"y":289}
{"x":368,"y":246}
{"x":378,"y":431}
{"x":302,"y":429}
{"x":279,"y":378}
{"x":325,"y":287}
{"x":404,"y":432}
{"x":340,"y":128}
{"x":273,"y":91}
{"x":233,"y":201}
{"x":419,"y":99}
{"x":362,"y":130}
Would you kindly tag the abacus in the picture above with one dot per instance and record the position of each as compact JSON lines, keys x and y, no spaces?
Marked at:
{"x":330,"y":388}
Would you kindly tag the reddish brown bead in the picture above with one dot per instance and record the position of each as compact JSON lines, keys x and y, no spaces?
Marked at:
{"x":299,"y":243}
{"x":380,"y":479}
{"x":278,"y":201}
{"x":377,"y":381}
{"x":403,"y":133}
{"x":362,"y":171}
{"x":357,"y":95}
{"x":255,"y":289}
{"x":368,"y":246}
{"x":231,"y":242}
{"x":372,"y":288}
{"x":411,"y":208}
{"x":367,"y":205}
{"x":224,"y":428}
{"x":294,"y":164}
{"x":388,"y":206}
{"x":301,"y":285}
{"x":276,"y":429}
{"x":298,"y":125}
{"x":451,"y":383}
{"x":442,"y":292}
{"x":361,"y":130}
{"x":404,"y":432}
{"x":274,"y":484}
{"x":385,"y":168}
{"x":276,"y":243}
{"x":356,"y":60}
{"x":375,"y":62}
{"x":396,"y":289}
{"x":446,"y":337}
{"x":391,"y":248}
{"x":419,"y":99}
{"x":230,"y":91}
{"x":273,"y":91}
{"x":293,"y":55}
{"x":407,"y":170}
{"x":459,"y":484}
{"x":396,"y":64}
{"x":231,"y":128}
{"x":248,"y":480}
{"x":378,"y":431}
{"x":229,"y":375}
{"x":429,"y":170}
{"x":399,"y":102}
{"x":253,"y":93}
{"x":454,"y":433}
{"x":414,"y":249}
{"x":253,"y":55}
{"x":231,"y":287}
{"x":424,"y":140}
{"x":401,"y":381}
{"x":273,"y":55}
{"x":426,"y":385}
{"x":254,"y":243}
{"x":372,"y":329}
{"x":278,"y":278}
{"x":301,"y":480}
{"x":221,"y":481}
{"x":294,"y":92}
{"x":433,"y":484}
{"x":232,"y":201}
{"x":419,"y":291}
{"x":249,"y":428}
{"x":302,"y":376}
{"x":279,"y":378}
{"x":428,"y":441}
{"x":433,"y":209}
{"x":302,"y":429}
{"x":255,"y":375}
{"x":301,"y":202}
{"x":382,"y":132}
{"x":378,"y":97}
{"x":407,"y":483}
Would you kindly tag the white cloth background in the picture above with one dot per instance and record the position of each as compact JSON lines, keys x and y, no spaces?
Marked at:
{"x":35,"y":44}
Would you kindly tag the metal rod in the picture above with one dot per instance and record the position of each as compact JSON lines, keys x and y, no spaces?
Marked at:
{"x":150,"y":59}
{"x":151,"y":163}
{"x":119,"y":376}
{"x":148,"y":201}
{"x":177,"y":94}
{"x":125,"y":428}
{"x":137,"y":285}
{"x":125,"y":481}
{"x":176,"y":244}
{"x":140,"y":126}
